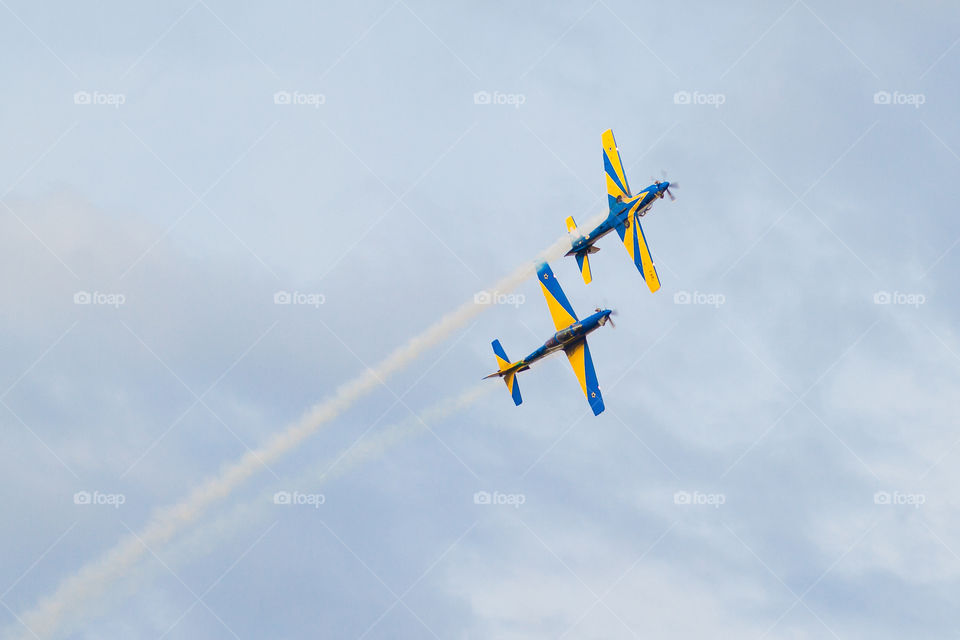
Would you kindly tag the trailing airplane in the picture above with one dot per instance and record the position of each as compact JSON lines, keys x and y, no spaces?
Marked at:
{"x":626,"y":210}
{"x":571,"y":336}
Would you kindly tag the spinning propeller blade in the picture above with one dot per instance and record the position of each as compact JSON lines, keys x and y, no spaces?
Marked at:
{"x":673,"y":185}
{"x":613,"y":312}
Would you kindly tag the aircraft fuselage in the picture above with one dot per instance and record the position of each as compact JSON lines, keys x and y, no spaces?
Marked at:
{"x":620,"y":212}
{"x":571,"y":335}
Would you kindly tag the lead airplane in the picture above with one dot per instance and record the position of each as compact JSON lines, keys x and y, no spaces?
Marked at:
{"x":571,"y":336}
{"x":626,"y":210}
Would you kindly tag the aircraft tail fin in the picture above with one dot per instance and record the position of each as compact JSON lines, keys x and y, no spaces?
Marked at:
{"x":513,"y":386}
{"x":507,"y":370}
{"x":583,"y":261}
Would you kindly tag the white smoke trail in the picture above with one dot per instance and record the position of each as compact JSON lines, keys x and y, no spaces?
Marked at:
{"x":44,"y":620}
{"x":213,"y":534}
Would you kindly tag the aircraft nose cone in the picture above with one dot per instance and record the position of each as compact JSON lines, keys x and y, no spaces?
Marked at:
{"x":664,"y":185}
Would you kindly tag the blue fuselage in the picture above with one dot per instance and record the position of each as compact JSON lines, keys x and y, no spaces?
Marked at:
{"x":571,"y":335}
{"x":619,"y":212}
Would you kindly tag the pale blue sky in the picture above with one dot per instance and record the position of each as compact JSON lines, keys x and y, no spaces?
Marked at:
{"x":803,"y":199}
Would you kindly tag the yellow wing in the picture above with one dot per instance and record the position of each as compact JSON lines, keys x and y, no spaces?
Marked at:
{"x":560,"y":309}
{"x":636,"y":245}
{"x":579,"y":356}
{"x":617,"y":186}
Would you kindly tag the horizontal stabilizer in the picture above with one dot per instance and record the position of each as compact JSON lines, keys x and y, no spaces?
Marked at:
{"x":508,"y":371}
{"x":583,"y":261}
{"x":502,"y":360}
{"x":514,"y":387}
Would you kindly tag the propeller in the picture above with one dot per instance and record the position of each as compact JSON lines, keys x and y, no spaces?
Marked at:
{"x":672,"y":184}
{"x":613,"y":312}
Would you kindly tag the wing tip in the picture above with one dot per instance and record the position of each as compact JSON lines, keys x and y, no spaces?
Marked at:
{"x":544,"y":272}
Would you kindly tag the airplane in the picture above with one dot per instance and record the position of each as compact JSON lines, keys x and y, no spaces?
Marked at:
{"x":626,"y":210}
{"x":571,"y":336}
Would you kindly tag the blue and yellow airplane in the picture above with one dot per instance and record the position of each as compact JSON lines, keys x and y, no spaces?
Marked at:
{"x":626,"y":210}
{"x":571,"y":336}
